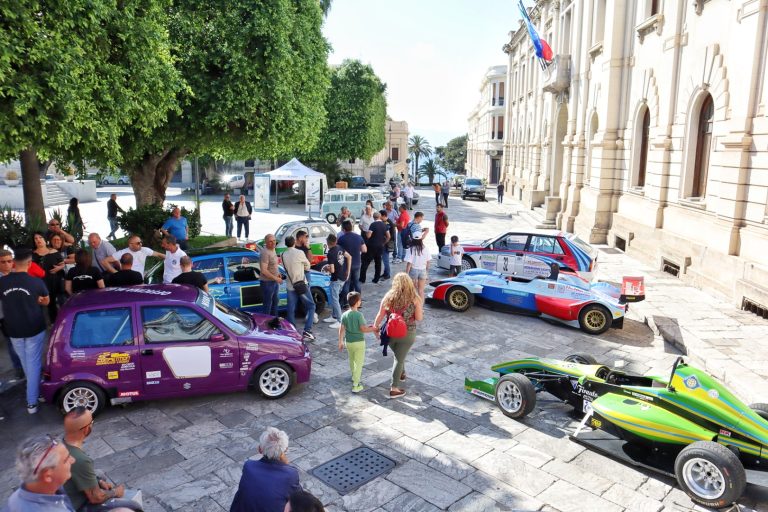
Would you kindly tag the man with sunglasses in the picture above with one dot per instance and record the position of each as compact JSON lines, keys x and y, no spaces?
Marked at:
{"x":85,"y":489}
{"x":54,"y":228}
{"x":43,"y":465}
{"x":135,"y":249}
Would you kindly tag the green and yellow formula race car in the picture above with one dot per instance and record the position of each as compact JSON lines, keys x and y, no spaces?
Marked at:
{"x":687,"y":426}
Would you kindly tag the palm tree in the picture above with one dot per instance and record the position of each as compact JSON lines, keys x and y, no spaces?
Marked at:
{"x":418,"y":147}
{"x":429,"y":170}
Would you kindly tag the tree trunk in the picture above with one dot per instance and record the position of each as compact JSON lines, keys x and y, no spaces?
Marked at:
{"x":33,"y":191}
{"x":150,"y":178}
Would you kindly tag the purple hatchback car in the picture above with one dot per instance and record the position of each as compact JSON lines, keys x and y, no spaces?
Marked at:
{"x":165,"y":341}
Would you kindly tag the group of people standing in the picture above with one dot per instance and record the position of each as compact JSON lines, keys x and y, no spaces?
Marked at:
{"x":442,"y":191}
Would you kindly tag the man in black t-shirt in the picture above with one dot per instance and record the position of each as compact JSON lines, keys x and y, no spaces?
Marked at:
{"x":189,"y":276}
{"x":229,"y":211}
{"x":21,"y":296}
{"x":376,"y":237}
{"x":339,"y":265}
{"x":126,"y":276}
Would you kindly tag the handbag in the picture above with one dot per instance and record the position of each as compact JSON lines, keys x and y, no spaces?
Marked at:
{"x":396,"y":326}
{"x":300,"y":287}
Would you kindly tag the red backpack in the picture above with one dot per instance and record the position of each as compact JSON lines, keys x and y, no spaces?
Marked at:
{"x":396,"y":326}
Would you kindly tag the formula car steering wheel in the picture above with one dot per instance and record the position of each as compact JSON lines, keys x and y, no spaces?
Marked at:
{"x":674,"y":368}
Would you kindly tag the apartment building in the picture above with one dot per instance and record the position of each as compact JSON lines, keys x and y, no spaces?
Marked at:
{"x":648,"y":132}
{"x":485,"y":133}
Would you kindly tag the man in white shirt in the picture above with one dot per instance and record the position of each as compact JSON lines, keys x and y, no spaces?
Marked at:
{"x":139,"y":253}
{"x":296,"y":265}
{"x":408,"y":191}
{"x":173,"y":255}
{"x":366,"y":219}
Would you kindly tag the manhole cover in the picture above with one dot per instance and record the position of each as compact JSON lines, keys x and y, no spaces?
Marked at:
{"x":353,"y":469}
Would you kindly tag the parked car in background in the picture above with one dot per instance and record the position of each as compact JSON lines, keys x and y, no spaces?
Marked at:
{"x":473,"y":187}
{"x":233,"y":274}
{"x":520,"y":252}
{"x":355,"y":200}
{"x":233,"y":181}
{"x":318,"y":231}
{"x":358,"y":182}
{"x":136,"y":343}
{"x":113,"y":179}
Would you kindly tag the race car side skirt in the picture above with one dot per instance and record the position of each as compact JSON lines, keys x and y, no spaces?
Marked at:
{"x":482,"y":388}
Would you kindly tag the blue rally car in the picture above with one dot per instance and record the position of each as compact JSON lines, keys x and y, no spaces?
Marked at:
{"x":233,"y":278}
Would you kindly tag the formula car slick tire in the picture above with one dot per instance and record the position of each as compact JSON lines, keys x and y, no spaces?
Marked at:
{"x":594,"y":319}
{"x":459,"y":299}
{"x":82,"y":394}
{"x":581,"y":358}
{"x":760,"y":409}
{"x":273,"y":380}
{"x":710,"y":474}
{"x":515,"y":395}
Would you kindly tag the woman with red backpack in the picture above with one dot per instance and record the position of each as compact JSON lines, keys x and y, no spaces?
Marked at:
{"x":400,"y":309}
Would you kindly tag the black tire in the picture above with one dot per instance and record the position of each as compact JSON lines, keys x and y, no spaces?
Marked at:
{"x":82,"y":394}
{"x":463,"y":197}
{"x":331,"y":218}
{"x":484,"y":199}
{"x":273,"y":380}
{"x":515,"y":395}
{"x":104,"y":181}
{"x":710,"y":474}
{"x":760,"y":409}
{"x":467,"y":263}
{"x":581,"y":358}
{"x":318,"y":295}
{"x":319,"y":266}
{"x":459,"y":299}
{"x":594,"y":319}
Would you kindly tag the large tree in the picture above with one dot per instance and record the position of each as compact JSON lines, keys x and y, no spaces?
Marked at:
{"x":418,"y":147}
{"x":429,"y":170}
{"x":257,"y":81}
{"x":73,"y":75}
{"x":357,"y":110}
{"x":453,"y":156}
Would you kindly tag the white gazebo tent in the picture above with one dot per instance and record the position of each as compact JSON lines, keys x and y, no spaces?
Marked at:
{"x":296,"y":171}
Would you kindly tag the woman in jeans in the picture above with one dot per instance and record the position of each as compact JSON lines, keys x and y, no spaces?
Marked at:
{"x":402,"y":299}
{"x":417,"y":260}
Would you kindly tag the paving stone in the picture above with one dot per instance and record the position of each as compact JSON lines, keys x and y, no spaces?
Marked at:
{"x":154,"y":446}
{"x":115,"y":460}
{"x":566,"y":496}
{"x":318,"y":456}
{"x":147,"y":465}
{"x":128,"y":438}
{"x":152,"y":484}
{"x":294,"y":429}
{"x":655,"y":489}
{"x":450,"y":420}
{"x":298,"y":408}
{"x":578,"y":476}
{"x":244,"y":448}
{"x":458,"y":446}
{"x":530,"y":455}
{"x":631,"y":500}
{"x":237,"y":417}
{"x":328,"y":436}
{"x":324,"y":493}
{"x":428,"y":483}
{"x":225,"y":497}
{"x":609,"y":469}
{"x":206,"y":462}
{"x":514,"y":472}
{"x":205,"y":504}
{"x":501,"y":492}
{"x":193,"y":433}
{"x":491,"y":437}
{"x":185,"y":494}
{"x":451,"y":467}
{"x":230,"y":474}
{"x":477,"y":502}
{"x":321,"y":417}
{"x":96,"y":447}
{"x":371,"y":495}
{"x":558,"y":447}
{"x":190,"y":449}
{"x":414,"y":449}
{"x":421,"y":429}
{"x":409,"y":502}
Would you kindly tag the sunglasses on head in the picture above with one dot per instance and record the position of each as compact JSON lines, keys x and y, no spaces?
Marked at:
{"x":53,"y":444}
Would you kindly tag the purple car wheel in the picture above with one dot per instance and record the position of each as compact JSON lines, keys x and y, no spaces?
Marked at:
{"x":82,"y":394}
{"x":273,"y":380}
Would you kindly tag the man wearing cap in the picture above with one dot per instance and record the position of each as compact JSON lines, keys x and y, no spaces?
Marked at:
{"x":21,"y":296}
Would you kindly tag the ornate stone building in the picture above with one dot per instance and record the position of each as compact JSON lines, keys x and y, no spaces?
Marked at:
{"x":485,"y":133}
{"x":648,"y":132}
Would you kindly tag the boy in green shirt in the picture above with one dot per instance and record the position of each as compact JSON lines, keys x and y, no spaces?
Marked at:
{"x":352,"y":331}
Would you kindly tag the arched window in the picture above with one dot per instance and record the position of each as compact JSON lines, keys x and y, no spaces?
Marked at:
{"x":703,"y":148}
{"x":643,"y":163}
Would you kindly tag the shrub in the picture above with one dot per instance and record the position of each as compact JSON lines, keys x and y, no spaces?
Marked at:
{"x":11,"y":175}
{"x":14,"y":232}
{"x":146,"y":221}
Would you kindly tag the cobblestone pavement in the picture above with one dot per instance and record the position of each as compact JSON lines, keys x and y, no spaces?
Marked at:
{"x":453,"y":451}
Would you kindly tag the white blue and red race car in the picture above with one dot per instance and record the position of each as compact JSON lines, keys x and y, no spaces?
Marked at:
{"x":562,"y":296}
{"x":519,"y":252}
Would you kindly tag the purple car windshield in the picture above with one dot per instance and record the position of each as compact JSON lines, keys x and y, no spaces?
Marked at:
{"x":238,"y":322}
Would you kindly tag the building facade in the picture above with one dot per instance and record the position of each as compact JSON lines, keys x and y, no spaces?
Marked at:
{"x":390,"y":160}
{"x":486,"y":126}
{"x":648,"y":132}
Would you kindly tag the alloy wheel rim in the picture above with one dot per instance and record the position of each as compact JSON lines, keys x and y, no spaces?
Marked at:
{"x":509,"y":397}
{"x":458,"y":300}
{"x":595,"y":319}
{"x":704,"y":478}
{"x":80,"y":397}
{"x":274,"y":381}
{"x":465,"y":265}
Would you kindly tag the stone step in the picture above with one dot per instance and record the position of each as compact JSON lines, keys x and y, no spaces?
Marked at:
{"x":55,"y":195}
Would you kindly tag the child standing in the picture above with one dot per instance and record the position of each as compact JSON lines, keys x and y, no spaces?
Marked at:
{"x":352,"y":331}
{"x":457,"y":252}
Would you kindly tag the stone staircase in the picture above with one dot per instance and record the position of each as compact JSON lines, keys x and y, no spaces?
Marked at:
{"x":55,"y":196}
{"x":536,"y":218}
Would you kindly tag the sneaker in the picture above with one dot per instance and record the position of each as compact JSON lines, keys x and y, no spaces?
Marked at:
{"x":357,"y":389}
{"x":384,"y":278}
{"x":315,"y":318}
{"x":32,"y":409}
{"x":397,"y":394}
{"x":335,"y":325}
{"x":329,"y":320}
{"x":308,"y":336}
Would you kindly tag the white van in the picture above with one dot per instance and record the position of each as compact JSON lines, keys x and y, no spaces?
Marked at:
{"x":354,"y":199}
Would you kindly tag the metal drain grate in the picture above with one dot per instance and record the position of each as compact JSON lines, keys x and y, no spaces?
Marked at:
{"x":353,"y":469}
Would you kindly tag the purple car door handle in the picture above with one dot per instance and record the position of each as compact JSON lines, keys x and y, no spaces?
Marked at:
{"x":147,"y":352}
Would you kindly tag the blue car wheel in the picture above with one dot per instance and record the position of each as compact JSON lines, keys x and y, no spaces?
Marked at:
{"x":459,"y":299}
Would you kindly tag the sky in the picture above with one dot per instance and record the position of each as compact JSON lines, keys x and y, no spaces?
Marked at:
{"x":432,"y":54}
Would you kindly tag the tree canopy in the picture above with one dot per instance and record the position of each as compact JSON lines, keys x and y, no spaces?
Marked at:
{"x":418,"y":147}
{"x":257,"y":81}
{"x":453,"y":156}
{"x":356,"y":109}
{"x":74,"y":75}
{"x":429,"y":169}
